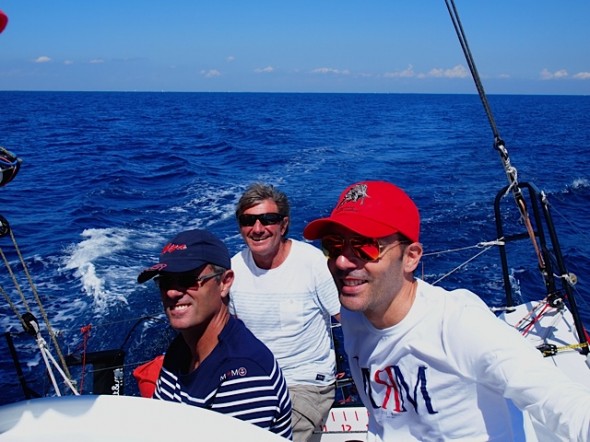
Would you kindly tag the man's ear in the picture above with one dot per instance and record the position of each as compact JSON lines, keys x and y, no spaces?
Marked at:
{"x":284,"y":225}
{"x":226,"y":282}
{"x":412,"y":256}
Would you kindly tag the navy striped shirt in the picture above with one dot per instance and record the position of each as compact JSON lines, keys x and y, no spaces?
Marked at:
{"x":240,"y":378}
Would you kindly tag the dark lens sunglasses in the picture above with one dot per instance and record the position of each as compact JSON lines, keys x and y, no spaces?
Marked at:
{"x":183,"y":281}
{"x":264,"y":218}
{"x":9,"y":166}
{"x":367,"y":249}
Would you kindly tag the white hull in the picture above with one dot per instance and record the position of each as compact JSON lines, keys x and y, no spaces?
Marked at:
{"x":554,"y":328}
{"x":120,"y":418}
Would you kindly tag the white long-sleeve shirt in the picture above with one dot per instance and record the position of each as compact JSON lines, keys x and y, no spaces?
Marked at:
{"x":445,"y":371}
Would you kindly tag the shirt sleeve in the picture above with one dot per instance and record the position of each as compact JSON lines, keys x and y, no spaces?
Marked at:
{"x":495,"y":354}
{"x":325,"y":287}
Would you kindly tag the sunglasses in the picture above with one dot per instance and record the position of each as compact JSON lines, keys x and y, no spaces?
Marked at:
{"x":265,"y":219}
{"x":9,"y":166}
{"x":183,"y":281}
{"x":367,"y":249}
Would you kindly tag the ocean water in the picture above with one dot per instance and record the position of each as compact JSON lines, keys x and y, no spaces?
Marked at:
{"x":107,"y":178}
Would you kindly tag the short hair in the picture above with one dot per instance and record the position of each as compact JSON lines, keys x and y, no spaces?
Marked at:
{"x":256,"y":193}
{"x":221,"y":270}
{"x":218,"y":269}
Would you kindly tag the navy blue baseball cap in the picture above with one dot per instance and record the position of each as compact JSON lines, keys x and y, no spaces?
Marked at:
{"x":188,"y":251}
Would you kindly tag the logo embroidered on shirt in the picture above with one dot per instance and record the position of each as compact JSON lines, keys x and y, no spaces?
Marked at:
{"x":234,"y":373}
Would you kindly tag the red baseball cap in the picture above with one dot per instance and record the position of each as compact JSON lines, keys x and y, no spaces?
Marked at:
{"x":373,"y":209}
{"x":3,"y":20}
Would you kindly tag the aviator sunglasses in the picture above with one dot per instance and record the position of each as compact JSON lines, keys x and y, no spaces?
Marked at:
{"x":367,"y":249}
{"x":264,"y":218}
{"x":184,"y":281}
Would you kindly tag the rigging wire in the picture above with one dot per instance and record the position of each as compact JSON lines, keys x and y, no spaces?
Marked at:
{"x":499,"y":145}
{"x":26,"y":325}
{"x":516,"y":189}
{"x":471,"y":63}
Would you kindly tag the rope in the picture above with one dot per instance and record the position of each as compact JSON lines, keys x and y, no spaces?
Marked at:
{"x":460,"y":266}
{"x":552,"y":350}
{"x":499,"y":145}
{"x":471,"y":63}
{"x":525,"y":325}
{"x":52,"y":334}
{"x":16,"y":284}
{"x":12,"y":305}
{"x":527,"y":222}
{"x":534,"y":319}
{"x":496,"y":242}
{"x":49,"y":360}
{"x":86,"y":334}
{"x":487,"y":245}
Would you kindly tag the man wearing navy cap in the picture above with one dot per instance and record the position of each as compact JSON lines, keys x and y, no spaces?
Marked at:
{"x":215,"y":362}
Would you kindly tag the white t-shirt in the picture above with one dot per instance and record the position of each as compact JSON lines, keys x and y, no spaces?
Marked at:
{"x":444,"y":371}
{"x":289,"y":308}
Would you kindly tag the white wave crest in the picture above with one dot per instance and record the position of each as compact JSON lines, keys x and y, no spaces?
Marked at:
{"x":100,"y":244}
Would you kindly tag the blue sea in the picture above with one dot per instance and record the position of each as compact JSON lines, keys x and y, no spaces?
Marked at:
{"x":107,"y":178}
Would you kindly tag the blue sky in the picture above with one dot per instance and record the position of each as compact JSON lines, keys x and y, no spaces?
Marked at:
{"x":392,"y":46}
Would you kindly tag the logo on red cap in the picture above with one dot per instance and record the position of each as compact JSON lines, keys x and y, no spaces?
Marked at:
{"x":354,"y":194}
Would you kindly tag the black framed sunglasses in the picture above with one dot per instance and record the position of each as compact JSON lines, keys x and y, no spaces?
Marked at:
{"x":264,"y":218}
{"x":367,"y":249}
{"x":184,"y":281}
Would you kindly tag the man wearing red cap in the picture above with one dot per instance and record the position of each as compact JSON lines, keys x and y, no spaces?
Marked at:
{"x":431,"y":364}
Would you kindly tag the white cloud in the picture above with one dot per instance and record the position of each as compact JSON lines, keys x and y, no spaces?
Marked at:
{"x":330,"y":71}
{"x":455,"y":72}
{"x":547,"y":75}
{"x":406,"y":73}
{"x":264,"y":70}
{"x":582,"y":76}
{"x":68,"y":62}
{"x":96,"y":61}
{"x":230,"y":58}
{"x":43,"y":59}
{"x":211,"y":73}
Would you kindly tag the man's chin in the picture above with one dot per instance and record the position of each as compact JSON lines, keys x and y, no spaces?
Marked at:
{"x":350,"y":302}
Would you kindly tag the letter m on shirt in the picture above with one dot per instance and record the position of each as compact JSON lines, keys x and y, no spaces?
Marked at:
{"x":397,"y":390}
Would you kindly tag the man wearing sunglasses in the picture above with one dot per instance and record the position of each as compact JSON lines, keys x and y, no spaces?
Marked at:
{"x":285,"y":294}
{"x":215,"y":362}
{"x":431,"y":364}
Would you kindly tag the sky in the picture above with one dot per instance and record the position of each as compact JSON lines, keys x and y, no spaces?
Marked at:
{"x":352,"y":46}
